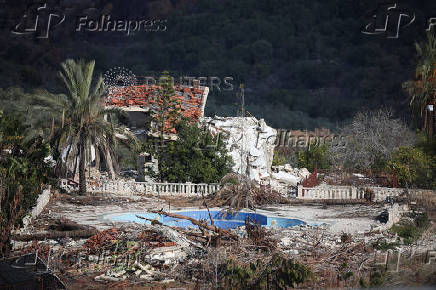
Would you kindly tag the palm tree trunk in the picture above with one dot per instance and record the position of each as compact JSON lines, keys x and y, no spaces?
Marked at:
{"x":82,"y":176}
{"x":52,"y":128}
{"x":109,"y":165}
{"x":74,"y":168}
{"x":116,"y":165}
{"x":97,"y":158}
{"x":63,"y":118}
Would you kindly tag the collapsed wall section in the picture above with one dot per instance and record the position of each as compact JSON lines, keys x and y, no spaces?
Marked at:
{"x":250,"y":143}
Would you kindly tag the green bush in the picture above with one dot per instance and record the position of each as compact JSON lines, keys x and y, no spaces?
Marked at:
{"x":376,"y":278}
{"x":383,"y":245}
{"x":196,"y":156}
{"x":314,"y":156}
{"x":22,"y":174}
{"x":279,"y":273}
{"x":413,"y":167}
{"x":412,"y":231}
{"x":278,"y":159}
{"x":408,"y":232}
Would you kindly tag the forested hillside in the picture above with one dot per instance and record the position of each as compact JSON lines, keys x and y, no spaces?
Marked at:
{"x":305,"y":64}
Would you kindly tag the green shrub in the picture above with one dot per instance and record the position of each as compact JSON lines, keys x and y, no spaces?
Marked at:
{"x":22,"y":174}
{"x":314,"y":156}
{"x":411,"y":231}
{"x":412,"y":166}
{"x":408,"y":232}
{"x":383,"y":245}
{"x":282,"y":273}
{"x":278,"y":159}
{"x":421,"y":220}
{"x":196,"y":156}
{"x":377,"y":277}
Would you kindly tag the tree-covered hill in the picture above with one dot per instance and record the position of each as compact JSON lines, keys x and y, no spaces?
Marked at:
{"x":305,"y":64}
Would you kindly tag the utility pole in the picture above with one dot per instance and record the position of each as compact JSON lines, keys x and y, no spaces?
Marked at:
{"x":241,"y":86}
{"x":244,"y":159}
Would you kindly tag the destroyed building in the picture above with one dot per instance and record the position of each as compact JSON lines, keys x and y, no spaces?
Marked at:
{"x":139,"y":101}
{"x":250,"y":142}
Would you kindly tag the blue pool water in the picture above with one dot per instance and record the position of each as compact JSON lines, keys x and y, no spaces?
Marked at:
{"x":220,"y":219}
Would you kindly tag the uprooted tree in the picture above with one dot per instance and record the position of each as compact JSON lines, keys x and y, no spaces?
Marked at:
{"x":239,"y":191}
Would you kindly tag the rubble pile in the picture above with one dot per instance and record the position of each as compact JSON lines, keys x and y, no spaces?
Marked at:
{"x":285,"y":176}
{"x":134,"y":254}
{"x":130,"y":254}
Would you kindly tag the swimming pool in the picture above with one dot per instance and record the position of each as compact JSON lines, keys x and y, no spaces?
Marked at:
{"x":220,"y":219}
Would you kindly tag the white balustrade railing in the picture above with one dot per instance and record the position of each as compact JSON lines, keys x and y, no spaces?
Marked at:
{"x":352,"y":192}
{"x":130,"y":188}
{"x":330,"y":192}
{"x":192,"y":189}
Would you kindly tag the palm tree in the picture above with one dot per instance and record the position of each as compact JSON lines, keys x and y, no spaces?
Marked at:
{"x":82,"y":119}
{"x":422,"y":90}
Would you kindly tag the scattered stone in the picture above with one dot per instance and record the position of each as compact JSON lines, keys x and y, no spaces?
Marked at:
{"x":104,"y":277}
{"x":147,"y":277}
{"x":168,"y":281}
{"x":119,"y":274}
{"x":146,"y":268}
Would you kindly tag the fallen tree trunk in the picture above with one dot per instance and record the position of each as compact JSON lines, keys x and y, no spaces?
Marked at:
{"x":66,"y":225}
{"x":55,"y":235}
{"x":200,"y":224}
